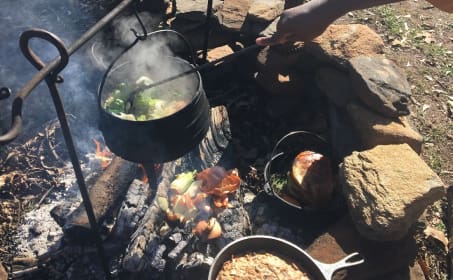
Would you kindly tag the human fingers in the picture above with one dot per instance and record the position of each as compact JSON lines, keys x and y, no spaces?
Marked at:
{"x":267,"y":41}
{"x":277,"y":38}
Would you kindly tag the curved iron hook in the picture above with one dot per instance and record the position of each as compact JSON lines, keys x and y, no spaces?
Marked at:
{"x":39,"y":64}
{"x":34,"y":59}
{"x":144,"y":35}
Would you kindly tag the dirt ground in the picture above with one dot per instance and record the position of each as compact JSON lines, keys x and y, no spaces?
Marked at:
{"x":419,"y":38}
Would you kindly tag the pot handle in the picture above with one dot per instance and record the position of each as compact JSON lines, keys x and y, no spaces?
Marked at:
{"x":267,"y":186}
{"x":328,"y":270}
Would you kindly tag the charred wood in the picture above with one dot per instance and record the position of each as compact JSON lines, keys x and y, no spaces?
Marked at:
{"x":132,"y":211}
{"x":105,"y":195}
{"x":148,"y":243}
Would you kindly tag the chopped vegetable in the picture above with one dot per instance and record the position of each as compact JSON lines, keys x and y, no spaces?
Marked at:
{"x":145,"y":105}
{"x":182,"y":182}
{"x":163,"y":203}
{"x":115,"y":105}
{"x":279,"y":182}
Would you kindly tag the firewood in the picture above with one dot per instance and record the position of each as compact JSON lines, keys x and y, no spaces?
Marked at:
{"x":106,"y":195}
{"x":213,"y":150}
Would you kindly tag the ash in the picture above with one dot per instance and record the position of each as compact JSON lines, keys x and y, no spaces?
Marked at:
{"x":39,"y":233}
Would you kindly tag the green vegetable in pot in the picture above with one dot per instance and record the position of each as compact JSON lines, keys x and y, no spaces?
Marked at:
{"x":279,"y":182}
{"x":146,"y":105}
{"x":116,"y":102}
{"x":114,"y":105}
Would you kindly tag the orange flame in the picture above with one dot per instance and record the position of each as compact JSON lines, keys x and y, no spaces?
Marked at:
{"x":104,"y":155}
{"x":157,"y":168}
{"x":144,"y":178}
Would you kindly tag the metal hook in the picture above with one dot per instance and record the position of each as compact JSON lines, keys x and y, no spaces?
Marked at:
{"x":142,"y":25}
{"x":34,"y":59}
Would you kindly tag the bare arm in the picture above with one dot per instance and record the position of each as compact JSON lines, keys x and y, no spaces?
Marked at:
{"x":309,"y":20}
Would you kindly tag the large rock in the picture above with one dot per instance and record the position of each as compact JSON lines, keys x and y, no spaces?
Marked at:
{"x":381,"y":258}
{"x":374,"y":129}
{"x":195,"y":10}
{"x":233,"y":13}
{"x":339,"y":43}
{"x":387,"y":188}
{"x":219,"y":52}
{"x":381,"y":85}
{"x":195,"y":32}
{"x":343,"y":137}
{"x":257,"y":28}
{"x":277,"y":72}
{"x":3,"y":273}
{"x":336,"y":85}
{"x":265,"y":10}
{"x":223,"y":72}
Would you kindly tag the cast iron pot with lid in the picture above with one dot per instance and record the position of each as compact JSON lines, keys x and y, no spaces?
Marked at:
{"x":280,"y":247}
{"x":282,"y":157}
{"x":162,"y":139}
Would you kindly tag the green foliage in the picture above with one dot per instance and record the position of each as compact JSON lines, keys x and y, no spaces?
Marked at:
{"x":390,"y":20}
{"x":436,"y":163}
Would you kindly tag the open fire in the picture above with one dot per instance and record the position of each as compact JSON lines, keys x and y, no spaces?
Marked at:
{"x":103,"y":154}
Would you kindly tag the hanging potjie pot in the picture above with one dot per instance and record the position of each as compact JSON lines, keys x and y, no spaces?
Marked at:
{"x":157,"y":124}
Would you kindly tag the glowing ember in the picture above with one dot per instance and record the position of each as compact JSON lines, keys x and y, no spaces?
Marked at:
{"x":144,"y":178}
{"x":104,"y":155}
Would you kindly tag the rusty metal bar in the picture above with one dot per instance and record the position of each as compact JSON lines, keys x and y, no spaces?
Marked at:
{"x":24,"y":92}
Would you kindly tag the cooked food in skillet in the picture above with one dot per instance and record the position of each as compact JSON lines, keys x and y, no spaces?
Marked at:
{"x":261,"y":265}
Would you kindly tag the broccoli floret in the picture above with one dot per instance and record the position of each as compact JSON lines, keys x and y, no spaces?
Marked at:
{"x":143,"y":104}
{"x":114,"y":105}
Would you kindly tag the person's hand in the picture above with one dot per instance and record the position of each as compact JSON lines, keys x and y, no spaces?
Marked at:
{"x":301,"y":23}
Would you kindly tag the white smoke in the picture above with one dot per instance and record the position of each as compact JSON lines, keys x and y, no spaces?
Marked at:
{"x":153,"y":57}
{"x":68,"y":20}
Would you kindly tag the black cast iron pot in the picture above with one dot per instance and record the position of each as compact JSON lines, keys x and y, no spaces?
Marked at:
{"x":283,"y":154}
{"x":280,"y":247}
{"x":157,"y":140}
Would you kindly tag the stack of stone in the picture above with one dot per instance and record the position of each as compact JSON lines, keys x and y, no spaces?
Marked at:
{"x":385,"y":183}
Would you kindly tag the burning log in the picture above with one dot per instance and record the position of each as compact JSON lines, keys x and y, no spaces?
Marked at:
{"x":166,"y":252}
{"x":132,"y":210}
{"x":105,"y":195}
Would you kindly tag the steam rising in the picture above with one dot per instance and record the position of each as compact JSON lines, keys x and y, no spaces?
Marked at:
{"x":153,"y":57}
{"x":69,"y":19}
